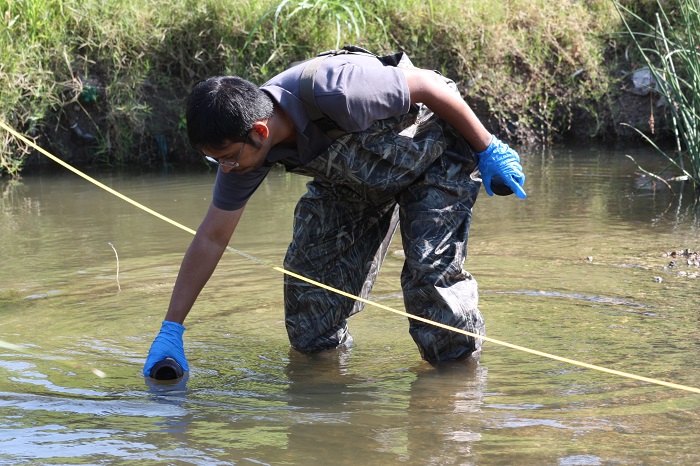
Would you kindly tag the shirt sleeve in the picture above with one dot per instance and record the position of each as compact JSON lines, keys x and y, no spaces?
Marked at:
{"x":356,"y":96}
{"x":232,"y":190}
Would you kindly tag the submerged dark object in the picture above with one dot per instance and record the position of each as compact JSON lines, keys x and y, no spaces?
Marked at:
{"x":167,"y":369}
{"x":499,"y":187}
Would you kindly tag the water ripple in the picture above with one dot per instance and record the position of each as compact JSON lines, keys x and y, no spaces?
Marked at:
{"x":106,"y":407}
{"x":592,"y":298}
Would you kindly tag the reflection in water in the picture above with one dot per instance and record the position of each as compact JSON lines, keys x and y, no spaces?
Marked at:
{"x":170,"y":389}
{"x":330,"y":401}
{"x":570,"y":271}
{"x":326,"y":396}
{"x":456,"y":390}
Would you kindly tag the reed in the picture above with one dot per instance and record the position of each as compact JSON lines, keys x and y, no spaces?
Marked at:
{"x":119,"y":287}
{"x":670,"y":49}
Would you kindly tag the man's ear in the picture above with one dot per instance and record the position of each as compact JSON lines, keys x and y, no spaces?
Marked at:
{"x":261,"y":128}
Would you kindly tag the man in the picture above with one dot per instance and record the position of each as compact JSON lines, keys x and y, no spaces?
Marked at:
{"x":408,"y":151}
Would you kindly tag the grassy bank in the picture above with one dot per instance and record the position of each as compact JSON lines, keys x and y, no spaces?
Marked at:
{"x":102,"y":81}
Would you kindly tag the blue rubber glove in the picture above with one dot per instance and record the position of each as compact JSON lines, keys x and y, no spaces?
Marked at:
{"x":168,"y":344}
{"x":500,"y":160}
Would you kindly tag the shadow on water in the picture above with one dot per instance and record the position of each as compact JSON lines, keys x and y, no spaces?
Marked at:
{"x":581,"y":269}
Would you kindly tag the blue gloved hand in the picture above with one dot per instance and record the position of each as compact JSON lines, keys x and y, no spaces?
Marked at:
{"x":499,"y":160}
{"x":168,"y":344}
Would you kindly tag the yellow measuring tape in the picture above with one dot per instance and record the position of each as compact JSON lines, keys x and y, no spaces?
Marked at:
{"x":343,"y":293}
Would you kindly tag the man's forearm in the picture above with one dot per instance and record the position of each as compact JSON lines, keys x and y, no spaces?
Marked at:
{"x":431,"y":90}
{"x":197,"y":267}
{"x":201,"y":259}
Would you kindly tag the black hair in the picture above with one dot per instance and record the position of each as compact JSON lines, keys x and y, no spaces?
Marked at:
{"x":223,"y":109}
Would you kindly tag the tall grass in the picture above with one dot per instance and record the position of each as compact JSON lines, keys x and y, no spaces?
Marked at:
{"x":27,"y":80}
{"x":670,"y":49}
{"x":346,"y":16}
{"x":123,"y":67}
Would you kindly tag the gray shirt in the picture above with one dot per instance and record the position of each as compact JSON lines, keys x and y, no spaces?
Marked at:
{"x":352,"y":90}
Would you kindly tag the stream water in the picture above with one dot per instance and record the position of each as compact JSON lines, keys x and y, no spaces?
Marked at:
{"x":580,"y":269}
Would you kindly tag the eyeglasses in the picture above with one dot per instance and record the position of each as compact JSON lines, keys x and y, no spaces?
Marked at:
{"x":226,"y":163}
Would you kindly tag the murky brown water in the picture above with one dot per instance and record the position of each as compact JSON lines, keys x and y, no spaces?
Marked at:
{"x":569,"y":271}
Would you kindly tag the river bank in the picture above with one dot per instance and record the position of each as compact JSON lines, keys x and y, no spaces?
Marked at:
{"x":103,"y":83}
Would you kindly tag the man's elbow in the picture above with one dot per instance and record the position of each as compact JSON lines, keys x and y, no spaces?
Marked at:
{"x":218,"y":227}
{"x":424,"y":86}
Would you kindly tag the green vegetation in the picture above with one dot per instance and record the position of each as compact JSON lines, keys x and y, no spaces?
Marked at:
{"x":116,"y":71}
{"x":670,"y":49}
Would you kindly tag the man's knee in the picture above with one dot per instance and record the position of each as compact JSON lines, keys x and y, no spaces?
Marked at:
{"x":309,"y":339}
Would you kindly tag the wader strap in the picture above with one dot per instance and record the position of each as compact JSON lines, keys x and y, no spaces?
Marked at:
{"x":306,"y":88}
{"x":306,"y":91}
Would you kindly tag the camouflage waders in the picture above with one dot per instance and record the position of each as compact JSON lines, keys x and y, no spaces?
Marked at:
{"x":363,"y":185}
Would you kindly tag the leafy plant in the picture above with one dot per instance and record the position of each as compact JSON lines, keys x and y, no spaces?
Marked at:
{"x":671,"y":52}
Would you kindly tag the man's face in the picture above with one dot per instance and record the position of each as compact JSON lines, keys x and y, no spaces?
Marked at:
{"x":245,"y":154}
